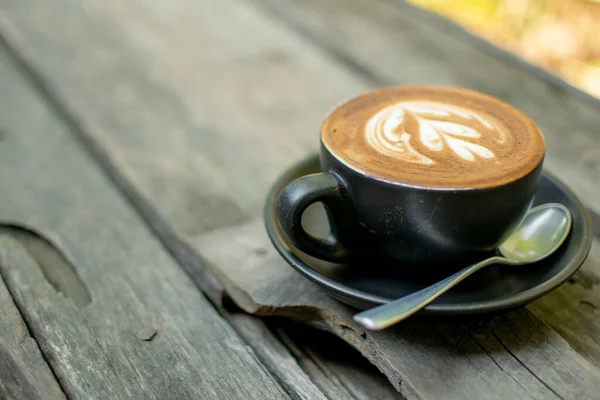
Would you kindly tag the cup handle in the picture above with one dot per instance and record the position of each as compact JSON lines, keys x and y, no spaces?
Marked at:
{"x":327,"y":188}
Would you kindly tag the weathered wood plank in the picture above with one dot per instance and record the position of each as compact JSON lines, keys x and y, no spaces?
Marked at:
{"x":338,"y":369}
{"x":88,"y":275}
{"x":509,"y":356}
{"x":218,"y":113}
{"x":183,"y":100}
{"x":274,"y":356}
{"x":277,"y":359}
{"x":574,"y":309}
{"x":24,"y":374}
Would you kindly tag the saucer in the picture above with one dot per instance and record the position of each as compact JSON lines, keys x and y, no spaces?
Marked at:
{"x":362,"y":284}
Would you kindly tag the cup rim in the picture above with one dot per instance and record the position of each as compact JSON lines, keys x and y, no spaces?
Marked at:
{"x":355,"y":166}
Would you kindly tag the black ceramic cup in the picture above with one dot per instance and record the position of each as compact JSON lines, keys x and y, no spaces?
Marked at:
{"x":408,"y":224}
{"x":404,"y":222}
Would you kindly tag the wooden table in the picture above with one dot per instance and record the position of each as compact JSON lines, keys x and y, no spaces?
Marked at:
{"x":137,"y":136}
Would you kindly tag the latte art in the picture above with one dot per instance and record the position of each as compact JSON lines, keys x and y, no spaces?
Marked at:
{"x":433,"y":136}
{"x":435,"y":127}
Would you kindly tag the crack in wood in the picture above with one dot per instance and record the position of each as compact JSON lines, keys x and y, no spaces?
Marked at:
{"x":311,"y":347}
{"x":472,"y":337}
{"x":509,"y":351}
{"x":588,"y":305}
{"x":15,"y":382}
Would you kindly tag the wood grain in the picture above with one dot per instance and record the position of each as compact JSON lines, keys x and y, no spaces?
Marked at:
{"x":573,"y":310}
{"x":508,"y":356}
{"x":283,"y":365}
{"x":195,"y":121}
{"x":87,"y":275}
{"x":338,"y":369}
{"x":187,"y":102}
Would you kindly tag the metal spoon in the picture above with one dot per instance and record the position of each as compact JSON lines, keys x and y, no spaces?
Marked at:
{"x":540,"y":234}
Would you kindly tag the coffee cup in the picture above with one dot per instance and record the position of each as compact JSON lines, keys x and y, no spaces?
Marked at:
{"x":417,"y":174}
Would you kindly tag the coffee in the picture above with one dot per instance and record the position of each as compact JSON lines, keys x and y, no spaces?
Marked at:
{"x":418,"y":175}
{"x":433,"y":137}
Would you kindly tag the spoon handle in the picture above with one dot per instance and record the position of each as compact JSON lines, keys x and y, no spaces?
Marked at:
{"x":381,"y":317}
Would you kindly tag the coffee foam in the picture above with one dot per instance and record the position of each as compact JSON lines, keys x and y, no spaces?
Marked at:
{"x":433,"y":137}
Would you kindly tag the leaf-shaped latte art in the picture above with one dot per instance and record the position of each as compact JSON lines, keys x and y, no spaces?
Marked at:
{"x":468,"y":150}
{"x":435,"y":125}
{"x":382,"y":134}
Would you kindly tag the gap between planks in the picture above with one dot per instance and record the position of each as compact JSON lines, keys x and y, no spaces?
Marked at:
{"x":37,"y":344}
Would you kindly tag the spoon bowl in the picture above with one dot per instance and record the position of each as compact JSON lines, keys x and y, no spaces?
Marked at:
{"x":543,"y":230}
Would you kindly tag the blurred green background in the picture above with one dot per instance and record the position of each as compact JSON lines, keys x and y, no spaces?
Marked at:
{"x":561,"y":35}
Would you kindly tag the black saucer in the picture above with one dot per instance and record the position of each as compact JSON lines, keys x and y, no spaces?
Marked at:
{"x":363,"y":285}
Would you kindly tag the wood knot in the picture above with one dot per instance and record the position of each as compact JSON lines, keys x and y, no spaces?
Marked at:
{"x":146,"y":334}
